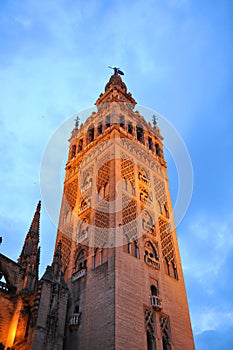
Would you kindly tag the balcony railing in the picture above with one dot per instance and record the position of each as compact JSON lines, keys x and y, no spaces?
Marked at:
{"x":82,"y":237}
{"x":85,"y":207}
{"x":74,"y":321}
{"x":153,"y":262}
{"x":78,"y":274}
{"x":155,"y":302}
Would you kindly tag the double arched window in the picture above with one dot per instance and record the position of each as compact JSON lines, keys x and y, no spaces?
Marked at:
{"x":150,"y":251}
{"x":81,"y":260}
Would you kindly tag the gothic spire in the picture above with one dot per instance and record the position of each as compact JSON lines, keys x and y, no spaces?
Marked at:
{"x":57,"y":260}
{"x":31,"y":242}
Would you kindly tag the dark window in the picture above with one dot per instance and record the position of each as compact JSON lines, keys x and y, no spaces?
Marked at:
{"x":80,"y":145}
{"x":130,"y":127}
{"x":73,"y":152}
{"x":166,"y":342}
{"x":174,"y":270}
{"x":76,"y":309}
{"x":154,"y":290}
{"x":122,"y":121}
{"x":100,"y":128}
{"x":107,"y":121}
{"x":158,"y":151}
{"x":150,"y":143}
{"x":167,"y":266}
{"x":90,"y":134}
{"x":150,"y":340}
{"x":140,"y":134}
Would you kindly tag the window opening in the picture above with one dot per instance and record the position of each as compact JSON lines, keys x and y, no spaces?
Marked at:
{"x":122,"y":121}
{"x":73,"y":151}
{"x":100,"y":128}
{"x":140,"y":134}
{"x":90,"y":134}
{"x":107,"y":121}
{"x":130,"y":128}
{"x":150,"y":143}
{"x":80,"y":145}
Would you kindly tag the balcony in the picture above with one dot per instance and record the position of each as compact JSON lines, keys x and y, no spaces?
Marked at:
{"x":86,"y":186}
{"x":78,"y":274}
{"x":153,"y":262}
{"x":82,"y":237}
{"x":85,"y":207}
{"x":74,"y":321}
{"x":155,"y":302}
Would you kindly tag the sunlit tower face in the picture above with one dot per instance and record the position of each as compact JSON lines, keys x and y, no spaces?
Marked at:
{"x":119,"y":247}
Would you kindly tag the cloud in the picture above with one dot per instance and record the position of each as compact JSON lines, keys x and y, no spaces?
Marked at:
{"x":215,"y":340}
{"x":207,"y":269}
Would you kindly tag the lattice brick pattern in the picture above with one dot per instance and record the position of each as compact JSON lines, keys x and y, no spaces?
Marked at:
{"x":101,"y":228}
{"x":129,"y":214}
{"x":129,"y":209}
{"x":101,"y":219}
{"x":66,"y":250}
{"x":103,"y":175}
{"x":160,"y":191}
{"x":127,"y":169}
{"x":166,"y":240}
{"x":101,"y":237}
{"x":71,"y":192}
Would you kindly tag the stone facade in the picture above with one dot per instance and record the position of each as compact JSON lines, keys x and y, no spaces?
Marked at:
{"x":116,"y":280}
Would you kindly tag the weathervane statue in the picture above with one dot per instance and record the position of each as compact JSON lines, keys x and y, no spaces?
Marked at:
{"x":116,"y":70}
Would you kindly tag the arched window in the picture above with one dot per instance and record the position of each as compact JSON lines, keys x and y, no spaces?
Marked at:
{"x":133,"y":249}
{"x":174,"y":268}
{"x":122,"y":121}
{"x":165,"y":211}
{"x":145,"y":196}
{"x":157,"y":149}
{"x":80,"y":145}
{"x":143,"y":176}
{"x":130,"y":128}
{"x":100,"y":257}
{"x":107,"y":121}
{"x":106,"y":190}
{"x":166,"y":341}
{"x":90,"y":134}
{"x":150,"y":340}
{"x":81,"y":261}
{"x":140,"y":134}
{"x":150,"y":143}
{"x":167,"y":266}
{"x":100,"y":128}
{"x":73,"y":151}
{"x":150,"y":251}
{"x":154,"y":290}
{"x":128,"y":186}
{"x":76,"y":309}
{"x":147,"y":222}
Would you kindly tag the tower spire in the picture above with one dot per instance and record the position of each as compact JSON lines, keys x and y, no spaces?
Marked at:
{"x":30,"y":247}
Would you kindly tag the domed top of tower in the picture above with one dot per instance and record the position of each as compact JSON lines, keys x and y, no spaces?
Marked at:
{"x":115,"y":91}
{"x":116,"y":80}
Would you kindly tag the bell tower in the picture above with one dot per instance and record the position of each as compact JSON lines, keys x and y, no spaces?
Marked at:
{"x":119,"y":247}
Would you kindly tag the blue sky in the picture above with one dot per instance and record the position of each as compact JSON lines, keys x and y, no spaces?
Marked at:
{"x":177,"y":57}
